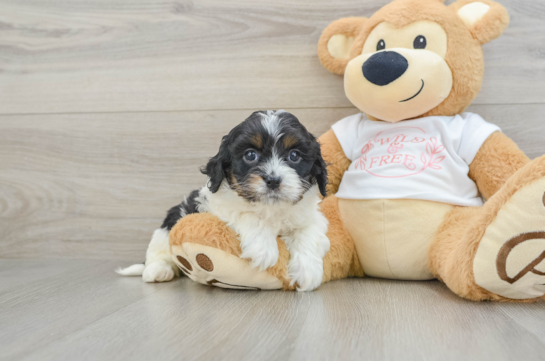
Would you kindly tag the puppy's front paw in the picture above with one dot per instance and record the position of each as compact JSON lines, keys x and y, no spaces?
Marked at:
{"x":158,"y":271}
{"x":306,"y":271}
{"x":261,"y":254}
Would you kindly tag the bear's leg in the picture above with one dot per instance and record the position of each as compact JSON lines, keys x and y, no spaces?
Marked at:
{"x":208,"y":252}
{"x":497,"y":252}
{"x":342,"y":260}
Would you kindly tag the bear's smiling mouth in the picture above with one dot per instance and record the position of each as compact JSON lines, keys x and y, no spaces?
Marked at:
{"x":414,"y":96}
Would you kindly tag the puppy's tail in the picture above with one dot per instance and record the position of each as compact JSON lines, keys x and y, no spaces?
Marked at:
{"x":134,"y":270}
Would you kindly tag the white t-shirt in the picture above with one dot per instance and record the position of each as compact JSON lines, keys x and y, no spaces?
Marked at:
{"x":426,"y":158}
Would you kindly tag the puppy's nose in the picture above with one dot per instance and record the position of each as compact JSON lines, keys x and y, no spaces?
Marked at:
{"x":273,"y":182}
{"x":384,"y":67}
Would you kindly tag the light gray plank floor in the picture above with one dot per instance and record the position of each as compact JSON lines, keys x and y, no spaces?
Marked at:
{"x":56,"y":310}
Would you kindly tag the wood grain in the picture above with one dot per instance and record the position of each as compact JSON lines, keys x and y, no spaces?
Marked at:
{"x":39,"y":311}
{"x":95,"y":186}
{"x":108,"y":56}
{"x":93,"y":314}
{"x":107,"y":110}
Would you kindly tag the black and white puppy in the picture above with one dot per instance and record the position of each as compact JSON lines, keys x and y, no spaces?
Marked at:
{"x":265,"y":182}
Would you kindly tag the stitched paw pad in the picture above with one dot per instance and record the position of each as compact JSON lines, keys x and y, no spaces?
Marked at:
{"x":213,"y":267}
{"x":510,"y":260}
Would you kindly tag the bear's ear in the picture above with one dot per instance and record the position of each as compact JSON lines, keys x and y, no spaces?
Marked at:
{"x":336,"y":41}
{"x":485,"y":19}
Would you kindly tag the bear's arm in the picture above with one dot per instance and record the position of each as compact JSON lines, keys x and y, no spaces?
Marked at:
{"x":336,"y":160}
{"x":497,"y":160}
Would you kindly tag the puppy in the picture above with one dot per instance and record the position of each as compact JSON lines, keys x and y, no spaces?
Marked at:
{"x":265,"y":182}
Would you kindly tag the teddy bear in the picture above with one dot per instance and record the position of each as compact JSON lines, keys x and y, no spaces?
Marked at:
{"x":408,"y":175}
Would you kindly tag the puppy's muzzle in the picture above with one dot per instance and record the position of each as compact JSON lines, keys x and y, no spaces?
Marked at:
{"x":384,"y":67}
{"x":272,"y":182}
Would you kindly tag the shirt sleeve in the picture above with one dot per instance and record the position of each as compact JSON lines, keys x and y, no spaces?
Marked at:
{"x":476,"y":131}
{"x":346,"y":131}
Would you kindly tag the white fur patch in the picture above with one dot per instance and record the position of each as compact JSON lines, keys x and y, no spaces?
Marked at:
{"x":301,"y":225}
{"x":271,"y":122}
{"x":308,"y":246}
{"x":158,"y":271}
{"x":291,"y":187}
{"x":159,"y":266}
{"x":134,"y":270}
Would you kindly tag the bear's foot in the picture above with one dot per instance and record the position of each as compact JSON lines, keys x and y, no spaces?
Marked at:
{"x":214,"y":267}
{"x":208,"y":252}
{"x":510,"y":258}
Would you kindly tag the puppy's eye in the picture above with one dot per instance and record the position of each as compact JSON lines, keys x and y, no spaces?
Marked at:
{"x":381,"y":45}
{"x":250,"y":156}
{"x":294,"y":156}
{"x":420,"y":42}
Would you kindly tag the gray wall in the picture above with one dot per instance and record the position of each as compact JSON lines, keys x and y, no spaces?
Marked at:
{"x":108,"y":108}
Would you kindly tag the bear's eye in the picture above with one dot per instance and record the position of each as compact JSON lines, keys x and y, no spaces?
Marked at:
{"x":420,"y":42}
{"x":381,"y":45}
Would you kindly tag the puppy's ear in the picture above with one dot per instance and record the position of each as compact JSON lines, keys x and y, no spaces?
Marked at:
{"x":217,"y":165}
{"x":485,"y":19}
{"x":335,"y":43}
{"x":319,"y":172}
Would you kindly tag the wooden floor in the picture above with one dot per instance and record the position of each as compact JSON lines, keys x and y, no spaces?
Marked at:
{"x":107,"y":110}
{"x":74,"y":310}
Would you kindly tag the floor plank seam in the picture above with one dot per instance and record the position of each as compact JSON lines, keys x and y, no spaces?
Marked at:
{"x":224,"y":110}
{"x":521,"y":324}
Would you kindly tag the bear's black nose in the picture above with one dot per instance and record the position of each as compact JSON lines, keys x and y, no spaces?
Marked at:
{"x":384,"y":67}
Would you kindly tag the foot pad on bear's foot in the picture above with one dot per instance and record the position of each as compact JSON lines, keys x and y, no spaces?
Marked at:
{"x":510,"y":259}
{"x":214,"y":267}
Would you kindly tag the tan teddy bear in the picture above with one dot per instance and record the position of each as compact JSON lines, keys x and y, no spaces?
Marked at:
{"x":405,"y":175}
